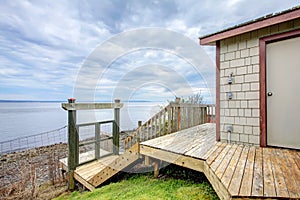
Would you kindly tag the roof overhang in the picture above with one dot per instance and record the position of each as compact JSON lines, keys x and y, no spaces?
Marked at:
{"x":259,"y":23}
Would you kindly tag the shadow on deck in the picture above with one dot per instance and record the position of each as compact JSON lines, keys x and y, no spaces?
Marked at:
{"x":235,"y":171}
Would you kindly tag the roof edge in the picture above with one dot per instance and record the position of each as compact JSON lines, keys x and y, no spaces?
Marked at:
{"x":262,"y":22}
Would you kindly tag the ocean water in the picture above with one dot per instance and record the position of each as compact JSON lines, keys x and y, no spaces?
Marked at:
{"x":19,"y":119}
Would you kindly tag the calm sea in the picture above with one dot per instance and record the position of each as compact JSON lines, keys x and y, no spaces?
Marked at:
{"x":18,"y":119}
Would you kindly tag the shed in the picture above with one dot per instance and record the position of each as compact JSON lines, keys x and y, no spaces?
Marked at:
{"x":258,"y":82}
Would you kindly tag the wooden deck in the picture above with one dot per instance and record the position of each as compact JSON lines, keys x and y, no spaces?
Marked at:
{"x":235,"y":171}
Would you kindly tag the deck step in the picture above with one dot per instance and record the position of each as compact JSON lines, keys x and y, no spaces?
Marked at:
{"x":95,"y":173}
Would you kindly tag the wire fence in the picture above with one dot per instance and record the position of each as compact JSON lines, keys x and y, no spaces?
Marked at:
{"x":28,"y":162}
{"x":33,"y":141}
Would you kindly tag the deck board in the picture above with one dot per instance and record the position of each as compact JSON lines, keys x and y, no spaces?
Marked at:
{"x":257,"y":184}
{"x":162,"y":141}
{"x":246,"y":185}
{"x":279,"y":182}
{"x":200,"y":152}
{"x":235,"y":183}
{"x":89,"y":170}
{"x":293,"y":166}
{"x":202,"y":149}
{"x":269,"y":182}
{"x":214,"y":165}
{"x":224,"y":164}
{"x":194,"y":144}
{"x":226,"y":178}
{"x":184,"y":142}
{"x":296,"y":157}
{"x":181,"y":144}
{"x":85,"y":157}
{"x":289,"y":177}
{"x":211,"y":150}
{"x":215,"y":154}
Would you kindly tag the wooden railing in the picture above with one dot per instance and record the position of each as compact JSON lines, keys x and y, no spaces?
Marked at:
{"x":174,"y":117}
{"x":73,"y":133}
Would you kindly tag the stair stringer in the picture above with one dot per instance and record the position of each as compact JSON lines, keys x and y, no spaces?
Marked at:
{"x":117,"y":165}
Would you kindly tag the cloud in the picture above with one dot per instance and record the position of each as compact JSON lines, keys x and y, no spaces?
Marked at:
{"x":43,"y":44}
{"x":45,"y":49}
{"x":148,"y":47}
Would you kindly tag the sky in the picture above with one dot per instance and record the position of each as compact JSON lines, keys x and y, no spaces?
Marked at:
{"x":106,"y":49}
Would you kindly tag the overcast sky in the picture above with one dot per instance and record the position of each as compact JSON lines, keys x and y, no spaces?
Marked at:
{"x":45,"y":44}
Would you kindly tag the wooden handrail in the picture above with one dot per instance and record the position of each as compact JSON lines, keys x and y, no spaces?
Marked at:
{"x":174,"y":117}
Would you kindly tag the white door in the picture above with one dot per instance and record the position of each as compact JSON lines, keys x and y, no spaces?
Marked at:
{"x":283,"y":93}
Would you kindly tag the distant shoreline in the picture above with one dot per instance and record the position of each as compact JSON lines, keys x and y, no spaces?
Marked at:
{"x":61,"y":101}
{"x":28,"y":101}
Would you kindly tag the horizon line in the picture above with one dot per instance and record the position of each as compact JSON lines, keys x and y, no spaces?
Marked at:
{"x":63,"y":101}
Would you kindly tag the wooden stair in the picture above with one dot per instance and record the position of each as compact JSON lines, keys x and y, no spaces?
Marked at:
{"x":95,"y":173}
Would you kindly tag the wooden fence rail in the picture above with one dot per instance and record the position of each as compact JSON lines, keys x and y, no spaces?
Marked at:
{"x":174,"y":117}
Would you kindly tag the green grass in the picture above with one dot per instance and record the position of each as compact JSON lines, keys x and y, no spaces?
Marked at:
{"x":143,"y":187}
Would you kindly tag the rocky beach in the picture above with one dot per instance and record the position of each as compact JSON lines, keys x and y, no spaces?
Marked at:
{"x":23,"y":173}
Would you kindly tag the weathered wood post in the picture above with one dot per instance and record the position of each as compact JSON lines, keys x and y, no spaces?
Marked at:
{"x":208,"y":117}
{"x":73,"y":142}
{"x":159,"y":124}
{"x":97,"y":138}
{"x":116,"y":127}
{"x":155,"y":126}
{"x":156,"y":168}
{"x":139,"y":131}
{"x":177,"y":114}
{"x":139,"y":123}
{"x":164,"y":122}
{"x":205,"y":114}
{"x":169,"y":110}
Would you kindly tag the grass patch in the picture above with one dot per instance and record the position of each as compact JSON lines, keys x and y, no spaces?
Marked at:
{"x":174,"y":183}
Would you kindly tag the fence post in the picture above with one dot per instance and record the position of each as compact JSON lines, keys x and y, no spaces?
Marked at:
{"x":73,"y":143}
{"x":169,"y":110}
{"x":208,"y":114}
{"x":155,"y":126}
{"x":164,"y":122}
{"x":159,"y":124}
{"x":97,"y":137}
{"x":147,"y":130}
{"x":151,"y":128}
{"x":205,"y":115}
{"x":179,"y":118}
{"x":116,"y":127}
{"x":139,"y":129}
{"x":177,"y":115}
